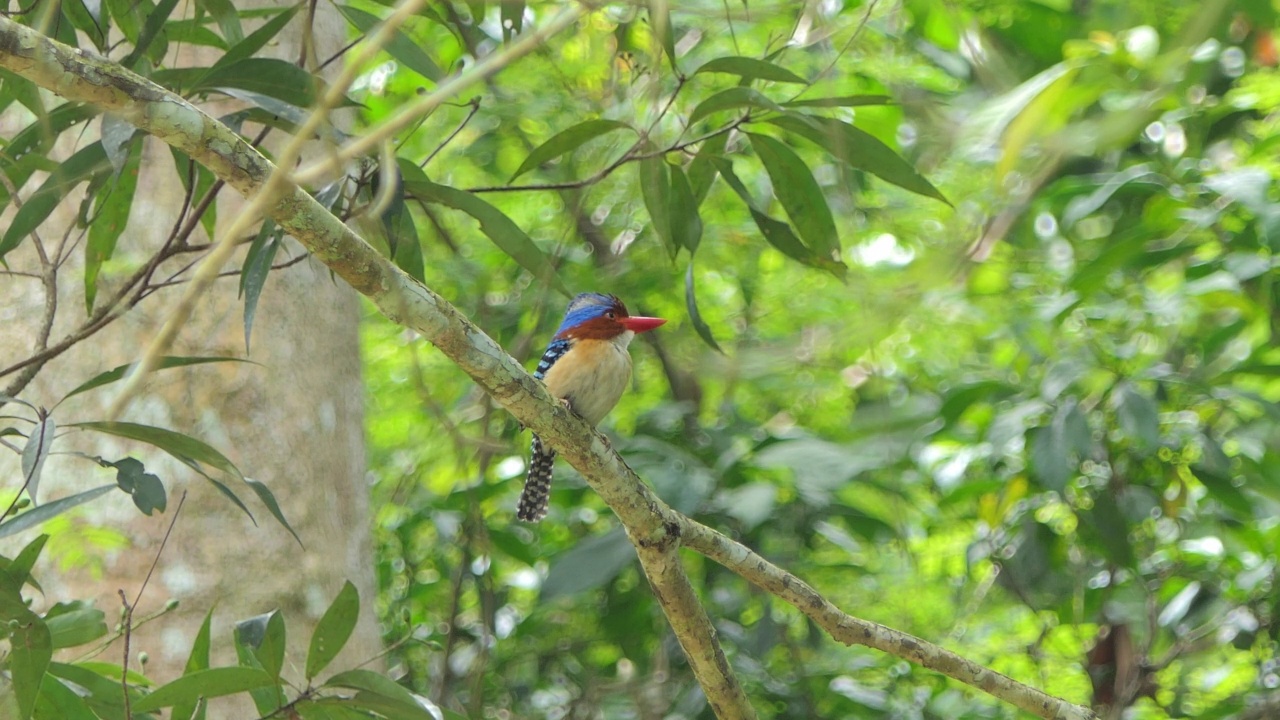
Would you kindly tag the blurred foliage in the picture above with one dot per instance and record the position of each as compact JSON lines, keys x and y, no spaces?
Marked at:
{"x":1038,"y":427}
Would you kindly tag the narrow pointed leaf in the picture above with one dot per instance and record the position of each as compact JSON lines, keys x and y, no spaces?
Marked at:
{"x":228,"y":18}
{"x":170,"y":361}
{"x":660,"y":21}
{"x":253,"y":276}
{"x":151,"y":34}
{"x":800,"y":195}
{"x":111,"y":215}
{"x":400,"y":46}
{"x":751,"y":69}
{"x":842,"y":101}
{"x":77,"y":169}
{"x":655,"y":189}
{"x":686,"y":226}
{"x":269,"y":499}
{"x":30,"y":650}
{"x":183,"y":447}
{"x":691,"y":304}
{"x":702,"y":172}
{"x":34,"y":517}
{"x":264,"y":636}
{"x":591,"y":563}
{"x":732,"y":98}
{"x":497,"y":226}
{"x":567,"y":141}
{"x":35,"y":452}
{"x":214,"y":682}
{"x":274,"y":78}
{"x":860,"y":150}
{"x":256,"y":40}
{"x":333,"y":630}
{"x":198,"y":660}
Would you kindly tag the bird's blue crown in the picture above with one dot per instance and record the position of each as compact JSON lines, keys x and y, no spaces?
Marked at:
{"x":587,"y":307}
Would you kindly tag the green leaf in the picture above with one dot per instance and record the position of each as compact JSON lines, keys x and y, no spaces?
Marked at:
{"x":35,"y":452}
{"x":702,"y":172}
{"x":498,"y":227}
{"x":76,"y":627}
{"x":30,"y":651}
{"x":23,"y":153}
{"x":105,"y":695}
{"x":842,"y":101}
{"x":274,"y":78}
{"x":695,"y":317}
{"x":19,"y":569}
{"x":56,"y":701}
{"x":1043,"y":112}
{"x":264,"y":636}
{"x":401,"y":232}
{"x":1138,"y":415}
{"x":224,"y":12}
{"x":751,"y":69}
{"x":111,"y":214}
{"x":75,"y":170}
{"x":94,"y":27}
{"x":198,"y":660}
{"x":254,"y":272}
{"x":777,"y":233}
{"x":589,"y":564}
{"x":381,"y":694}
{"x":146,"y":489}
{"x":567,"y":141}
{"x":258,"y":39}
{"x":860,"y":150}
{"x":1056,"y":449}
{"x":400,"y":46}
{"x":34,"y":517}
{"x":214,"y":682}
{"x":169,"y":361}
{"x":655,"y":189}
{"x":333,"y":630}
{"x":1223,"y":489}
{"x":189,"y":450}
{"x":734,"y":97}
{"x":1108,"y":522}
{"x":269,"y":499}
{"x":800,"y":195}
{"x":152,"y":32}
{"x":660,"y":21}
{"x":685,"y":224}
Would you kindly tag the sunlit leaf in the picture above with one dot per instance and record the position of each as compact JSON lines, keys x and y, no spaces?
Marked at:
{"x":731,"y":99}
{"x":842,"y":101}
{"x":34,"y":517}
{"x":800,"y":195}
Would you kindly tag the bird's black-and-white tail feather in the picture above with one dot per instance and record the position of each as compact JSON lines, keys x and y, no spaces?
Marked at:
{"x":537,"y":486}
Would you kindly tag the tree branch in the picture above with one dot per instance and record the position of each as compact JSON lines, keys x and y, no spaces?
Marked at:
{"x":654,"y":528}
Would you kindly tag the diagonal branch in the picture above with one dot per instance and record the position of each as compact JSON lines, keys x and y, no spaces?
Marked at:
{"x":654,"y":528}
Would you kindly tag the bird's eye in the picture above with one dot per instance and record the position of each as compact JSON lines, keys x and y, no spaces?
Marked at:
{"x":611,"y":315}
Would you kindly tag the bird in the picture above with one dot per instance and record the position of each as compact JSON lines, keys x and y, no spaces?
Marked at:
{"x":586,"y":367}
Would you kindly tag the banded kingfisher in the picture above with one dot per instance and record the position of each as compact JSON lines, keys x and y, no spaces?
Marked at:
{"x":586,"y":367}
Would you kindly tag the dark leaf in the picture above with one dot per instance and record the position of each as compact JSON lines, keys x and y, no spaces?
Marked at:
{"x":1139,"y":417}
{"x":860,"y":150}
{"x":256,"y":40}
{"x":695,"y":317}
{"x":274,"y":78}
{"x":151,"y":41}
{"x":567,"y":141}
{"x":400,"y":46}
{"x":800,"y":195}
{"x":333,"y":630}
{"x":183,"y":447}
{"x":381,"y":694}
{"x":702,"y":171}
{"x":685,"y":224}
{"x":269,"y":499}
{"x":146,"y":489}
{"x":1105,"y":519}
{"x":224,"y":12}
{"x":751,"y":69}
{"x":253,"y":274}
{"x":1222,"y":489}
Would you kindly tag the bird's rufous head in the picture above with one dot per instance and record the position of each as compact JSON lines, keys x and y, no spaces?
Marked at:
{"x":602,"y":317}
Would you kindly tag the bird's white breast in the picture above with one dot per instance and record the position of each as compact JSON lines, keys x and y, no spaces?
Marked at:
{"x":592,"y":376}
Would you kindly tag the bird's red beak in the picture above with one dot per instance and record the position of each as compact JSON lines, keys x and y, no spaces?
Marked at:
{"x":640,"y":324}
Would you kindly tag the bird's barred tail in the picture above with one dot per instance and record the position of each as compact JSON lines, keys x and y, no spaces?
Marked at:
{"x":537,"y":487}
